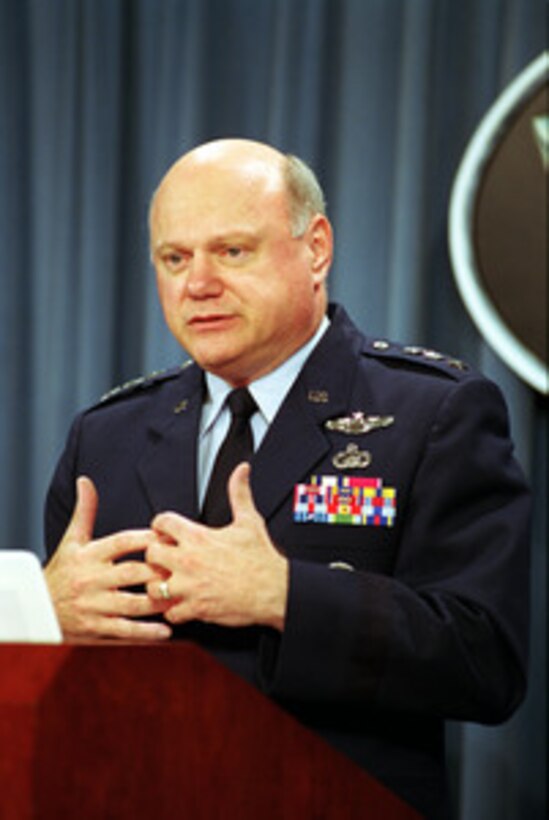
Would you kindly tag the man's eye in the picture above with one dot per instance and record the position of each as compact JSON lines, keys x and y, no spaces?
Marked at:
{"x":234,"y":253}
{"x":173,"y":260}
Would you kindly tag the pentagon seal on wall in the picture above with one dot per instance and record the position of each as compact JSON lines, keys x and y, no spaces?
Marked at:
{"x":498,"y":225}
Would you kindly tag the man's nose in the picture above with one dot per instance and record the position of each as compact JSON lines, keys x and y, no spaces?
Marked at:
{"x":203,"y":279}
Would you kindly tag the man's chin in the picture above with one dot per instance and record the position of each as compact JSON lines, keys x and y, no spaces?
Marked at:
{"x":220,"y":364}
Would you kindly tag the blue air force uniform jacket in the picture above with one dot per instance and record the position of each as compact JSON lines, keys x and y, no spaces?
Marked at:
{"x":408,"y":591}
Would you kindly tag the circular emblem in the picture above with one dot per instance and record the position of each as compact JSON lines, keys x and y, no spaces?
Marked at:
{"x":498,"y":225}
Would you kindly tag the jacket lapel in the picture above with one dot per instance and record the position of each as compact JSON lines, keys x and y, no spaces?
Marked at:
{"x":297,"y":440}
{"x":167,"y":464}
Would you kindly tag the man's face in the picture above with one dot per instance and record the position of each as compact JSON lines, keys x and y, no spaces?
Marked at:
{"x":238,"y":292}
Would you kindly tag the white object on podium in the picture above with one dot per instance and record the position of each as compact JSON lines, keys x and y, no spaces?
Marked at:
{"x":26,"y":610}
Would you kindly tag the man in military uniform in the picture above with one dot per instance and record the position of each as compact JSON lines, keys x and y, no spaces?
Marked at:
{"x":370,"y":570}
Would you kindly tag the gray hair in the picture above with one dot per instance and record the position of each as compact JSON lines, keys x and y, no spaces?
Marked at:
{"x":305,"y":195}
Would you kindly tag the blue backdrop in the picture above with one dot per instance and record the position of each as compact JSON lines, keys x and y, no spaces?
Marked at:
{"x":98,"y":97}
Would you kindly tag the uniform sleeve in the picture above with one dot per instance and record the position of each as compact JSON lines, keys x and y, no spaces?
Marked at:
{"x":61,"y":495}
{"x":446,"y":635}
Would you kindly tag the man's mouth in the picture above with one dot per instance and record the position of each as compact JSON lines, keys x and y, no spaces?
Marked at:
{"x":213,"y":321}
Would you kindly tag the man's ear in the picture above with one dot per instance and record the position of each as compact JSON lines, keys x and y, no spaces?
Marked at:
{"x":321,"y":244}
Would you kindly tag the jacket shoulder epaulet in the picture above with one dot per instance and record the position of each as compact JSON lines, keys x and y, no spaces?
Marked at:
{"x":142,"y":383}
{"x":417,"y":355}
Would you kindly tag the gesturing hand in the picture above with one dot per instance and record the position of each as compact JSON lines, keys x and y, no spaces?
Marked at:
{"x":232,"y":576}
{"x":87,"y":586}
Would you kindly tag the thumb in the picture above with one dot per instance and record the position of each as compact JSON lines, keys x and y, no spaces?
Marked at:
{"x":240,"y":492}
{"x":81,"y":525}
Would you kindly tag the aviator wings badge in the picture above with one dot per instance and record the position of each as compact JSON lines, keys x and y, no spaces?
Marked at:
{"x":358,"y":424}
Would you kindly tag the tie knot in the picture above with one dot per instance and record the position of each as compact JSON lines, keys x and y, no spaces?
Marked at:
{"x":241,"y":403}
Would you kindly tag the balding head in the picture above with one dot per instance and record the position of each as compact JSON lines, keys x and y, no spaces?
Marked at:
{"x":231,"y":152}
{"x":255,"y":162}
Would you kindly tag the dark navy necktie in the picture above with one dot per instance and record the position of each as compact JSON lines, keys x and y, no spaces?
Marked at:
{"x":238,"y":446}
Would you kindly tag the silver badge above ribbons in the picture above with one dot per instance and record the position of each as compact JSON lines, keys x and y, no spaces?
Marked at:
{"x":358,"y":423}
{"x":352,"y":458}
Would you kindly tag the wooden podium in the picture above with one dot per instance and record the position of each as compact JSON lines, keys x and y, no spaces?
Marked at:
{"x":124,"y":732}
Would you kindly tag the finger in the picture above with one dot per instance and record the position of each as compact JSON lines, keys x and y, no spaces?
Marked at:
{"x":240,"y":493}
{"x":130,"y":573}
{"x":167,"y":591}
{"x":81,"y":525}
{"x":162,"y":559}
{"x":126,"y":629}
{"x":181,"y":612}
{"x":184,"y":611}
{"x":133,"y":605}
{"x":174,"y":528}
{"x":140,"y":631}
{"x":119,"y":544}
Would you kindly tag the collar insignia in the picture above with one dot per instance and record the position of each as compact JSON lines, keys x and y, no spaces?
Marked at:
{"x":181,"y":407}
{"x":318,"y":396}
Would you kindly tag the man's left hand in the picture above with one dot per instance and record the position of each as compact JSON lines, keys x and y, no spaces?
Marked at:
{"x":232,"y":576}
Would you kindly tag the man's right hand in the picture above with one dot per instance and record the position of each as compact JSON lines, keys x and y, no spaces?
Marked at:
{"x":89,"y":588}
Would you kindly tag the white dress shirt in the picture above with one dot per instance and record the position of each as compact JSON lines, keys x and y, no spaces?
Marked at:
{"x":269,"y":392}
